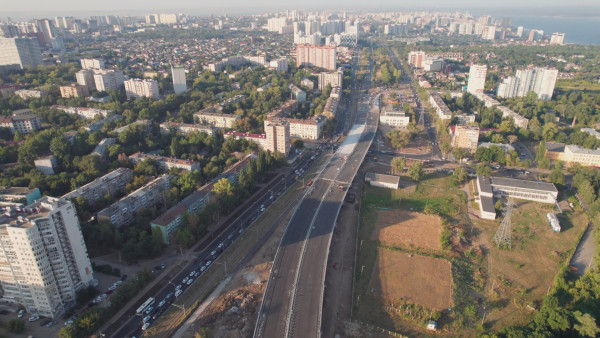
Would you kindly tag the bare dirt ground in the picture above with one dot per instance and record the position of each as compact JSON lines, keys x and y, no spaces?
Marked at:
{"x":422,"y":280}
{"x":408,"y":228}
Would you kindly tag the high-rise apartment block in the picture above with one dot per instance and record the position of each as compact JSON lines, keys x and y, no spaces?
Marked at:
{"x":92,"y":64}
{"x":557,"y":39}
{"x":74,"y":90}
{"x":43,"y":257}
{"x":278,"y":135}
{"x":109,"y":184}
{"x":539,"y":80}
{"x":317,"y":56}
{"x":106,"y":79}
{"x":476,"y":82}
{"x":124,"y":211}
{"x":138,"y":88}
{"x":85,"y":77}
{"x":20,"y":52}
{"x":179,"y":85}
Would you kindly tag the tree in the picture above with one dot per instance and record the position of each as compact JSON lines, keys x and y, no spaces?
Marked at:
{"x":557,"y":177}
{"x":398,"y":139}
{"x":549,"y":130}
{"x":416,"y":171}
{"x":541,"y":151}
{"x":586,"y":324}
{"x":459,"y":153}
{"x":60,"y":147}
{"x":483,"y":169}
{"x":298,"y":143}
{"x":398,"y":164}
{"x":512,"y":139}
{"x":459,"y":175}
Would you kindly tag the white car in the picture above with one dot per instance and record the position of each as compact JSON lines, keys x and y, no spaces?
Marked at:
{"x":146,"y":319}
{"x":162,"y":302}
{"x":34,"y":318}
{"x":146,"y":326}
{"x":178,"y":287}
{"x":178,"y":292}
{"x":149,"y":310}
{"x":190,"y":281}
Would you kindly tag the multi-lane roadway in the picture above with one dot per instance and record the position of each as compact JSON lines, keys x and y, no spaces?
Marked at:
{"x":293,"y":299}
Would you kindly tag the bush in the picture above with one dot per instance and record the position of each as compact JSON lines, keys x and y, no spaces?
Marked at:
{"x":16,"y":325}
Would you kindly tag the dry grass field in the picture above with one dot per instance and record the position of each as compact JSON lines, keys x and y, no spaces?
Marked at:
{"x":407,"y":228}
{"x":421,"y":280}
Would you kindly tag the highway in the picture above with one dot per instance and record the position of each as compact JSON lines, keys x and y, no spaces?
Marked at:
{"x":132,"y":325}
{"x":293,"y":299}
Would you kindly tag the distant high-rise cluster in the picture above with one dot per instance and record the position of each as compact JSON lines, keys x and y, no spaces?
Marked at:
{"x":557,"y":39}
{"x":162,"y":18}
{"x":539,"y":80}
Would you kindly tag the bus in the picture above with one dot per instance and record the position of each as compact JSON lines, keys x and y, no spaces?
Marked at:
{"x":144,"y":306}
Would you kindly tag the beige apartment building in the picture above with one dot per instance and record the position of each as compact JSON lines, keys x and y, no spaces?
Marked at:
{"x":573,"y":154}
{"x":465,"y":137}
{"x":278,"y":135}
{"x":74,"y":90}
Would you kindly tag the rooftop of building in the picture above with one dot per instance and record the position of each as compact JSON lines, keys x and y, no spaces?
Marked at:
{"x":555,"y":147}
{"x":484,"y":184}
{"x":100,"y":180}
{"x":390,"y":179}
{"x":523,"y":184}
{"x":580,"y":150}
{"x":124,"y":202}
{"x":16,"y":190}
{"x":24,"y":217}
{"x":487,"y":204}
{"x":162,"y":158}
{"x":245,"y":135}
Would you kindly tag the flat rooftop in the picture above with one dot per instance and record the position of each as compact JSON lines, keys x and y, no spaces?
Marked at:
{"x":523,"y":184}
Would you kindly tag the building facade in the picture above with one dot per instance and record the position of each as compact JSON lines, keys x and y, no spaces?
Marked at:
{"x":476,"y":83}
{"x":74,"y":90}
{"x":217,"y":120}
{"x":107,"y":79}
{"x":466,"y":137}
{"x":335,"y":79}
{"x":124,"y":211}
{"x":185,"y":128}
{"x":23,"y":52}
{"x":317,"y":56}
{"x":44,"y":257}
{"x":22,"y":121}
{"x":85,"y":77}
{"x":538,"y":80}
{"x":278,"y":135}
{"x":179,"y":84}
{"x":138,"y":88}
{"x":109,"y":184}
{"x":92,"y":63}
{"x":166,"y":163}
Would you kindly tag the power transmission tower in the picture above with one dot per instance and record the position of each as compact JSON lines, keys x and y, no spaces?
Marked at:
{"x":502,"y":236}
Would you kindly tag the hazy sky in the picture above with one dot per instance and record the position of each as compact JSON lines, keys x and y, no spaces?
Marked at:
{"x":54,"y":7}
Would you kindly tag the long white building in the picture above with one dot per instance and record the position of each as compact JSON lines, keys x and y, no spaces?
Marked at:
{"x":43,"y":257}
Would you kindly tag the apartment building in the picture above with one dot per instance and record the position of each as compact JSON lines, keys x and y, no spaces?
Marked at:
{"x":85,"y":77}
{"x":102,"y":147}
{"x":109,"y":184}
{"x":218,"y":120}
{"x":278,"y":136}
{"x":286,"y":109}
{"x":317,"y":56}
{"x":330,"y":108}
{"x":166,"y":163}
{"x":108,"y":79}
{"x":138,"y":88}
{"x":539,"y":80}
{"x":297,"y":93}
{"x":97,"y":125}
{"x":92,"y":63}
{"x":184,"y":128}
{"x":573,"y":154}
{"x":44,"y":260}
{"x":465,"y":137}
{"x":22,"y":121}
{"x":26,"y":94}
{"x":179,"y":83}
{"x":520,"y":121}
{"x":441,"y":109}
{"x":46,"y":164}
{"x":335,"y":79}
{"x":74,"y":90}
{"x":146,"y":124}
{"x":476,"y":83}
{"x":172,"y":219}
{"x":309,"y":129}
{"x":124,"y":211}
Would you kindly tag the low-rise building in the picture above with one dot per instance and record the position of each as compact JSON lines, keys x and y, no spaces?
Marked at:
{"x":215,"y":119}
{"x":18,"y":195}
{"x":592,"y":132}
{"x":297,"y":93}
{"x":84,"y":112}
{"x":520,"y":121}
{"x":490,"y":187}
{"x":331,"y":106}
{"x":394,"y":118}
{"x":383,"y":181}
{"x":259,"y":139}
{"x":46,"y":164}
{"x":110,"y":184}
{"x":102,"y":147}
{"x":124,"y":211}
{"x":7,"y":90}
{"x":74,"y":90}
{"x":166,"y":163}
{"x":146,"y":124}
{"x":97,"y":125}
{"x":309,"y":129}
{"x":30,"y":94}
{"x":573,"y":154}
{"x":506,"y":147}
{"x":441,"y":109}
{"x":286,"y":109}
{"x":185,"y":128}
{"x":465,"y":137}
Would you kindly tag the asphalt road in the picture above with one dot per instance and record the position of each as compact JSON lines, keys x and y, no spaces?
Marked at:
{"x":293,"y":299}
{"x":132,"y":326}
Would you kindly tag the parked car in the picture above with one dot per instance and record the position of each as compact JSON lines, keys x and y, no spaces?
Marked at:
{"x":21,"y":313}
{"x":34,"y":318}
{"x":146,"y":326}
{"x":162,"y":302}
{"x":147,"y":318}
{"x":149,"y":310}
{"x":190,"y":281}
{"x":51,"y":324}
{"x":178,"y":292}
{"x":169,"y":295}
